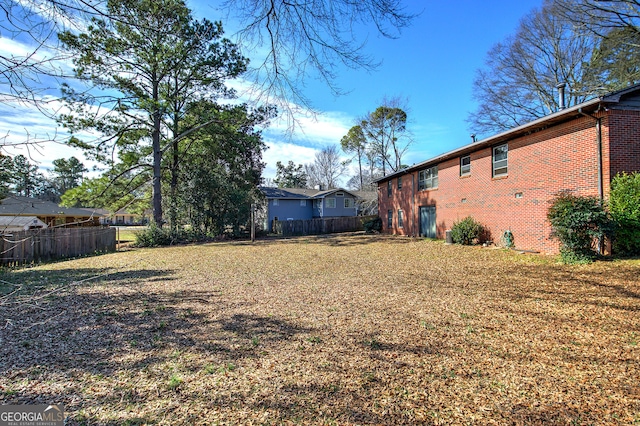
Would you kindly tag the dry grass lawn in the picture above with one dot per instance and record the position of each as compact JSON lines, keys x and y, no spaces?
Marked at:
{"x":341,"y":330}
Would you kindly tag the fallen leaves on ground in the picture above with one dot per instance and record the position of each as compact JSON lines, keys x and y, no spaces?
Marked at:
{"x":346,"y":330}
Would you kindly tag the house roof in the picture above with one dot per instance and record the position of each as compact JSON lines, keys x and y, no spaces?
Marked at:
{"x":586,"y":108}
{"x":23,"y":206}
{"x":20,"y":221}
{"x":300,"y":193}
{"x":105,"y":212}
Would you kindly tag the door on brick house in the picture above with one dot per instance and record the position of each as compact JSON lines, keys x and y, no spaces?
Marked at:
{"x":428,"y":221}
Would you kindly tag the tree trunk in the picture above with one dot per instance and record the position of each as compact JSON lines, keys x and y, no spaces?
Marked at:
{"x":157,"y":160}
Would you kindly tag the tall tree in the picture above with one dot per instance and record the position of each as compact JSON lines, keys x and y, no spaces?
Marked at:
{"x":386,"y":133}
{"x":326,"y":169}
{"x":150,"y":58}
{"x":26,"y":177}
{"x":67,"y":174}
{"x":601,"y":16}
{"x":301,"y":38}
{"x":355,"y":143}
{"x":615,"y":63}
{"x":6,"y":175}
{"x":225,"y":167}
{"x":518,"y":83}
{"x":290,"y":175}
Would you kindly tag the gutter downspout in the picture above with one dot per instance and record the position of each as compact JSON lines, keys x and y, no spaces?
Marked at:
{"x":413,"y":205}
{"x":600,"y":184}
{"x":599,"y":143}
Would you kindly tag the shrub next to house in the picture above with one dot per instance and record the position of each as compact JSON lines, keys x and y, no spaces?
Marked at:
{"x":466,"y":231}
{"x":372,"y":226}
{"x":578,"y":222}
{"x":624,"y":205}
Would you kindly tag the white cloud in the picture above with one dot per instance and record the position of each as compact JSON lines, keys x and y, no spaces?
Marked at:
{"x":295,"y":122}
{"x":319,"y":130}
{"x":25,"y":130}
{"x":285,"y":152}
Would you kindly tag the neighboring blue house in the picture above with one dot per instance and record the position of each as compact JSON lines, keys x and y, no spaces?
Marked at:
{"x":303,"y":204}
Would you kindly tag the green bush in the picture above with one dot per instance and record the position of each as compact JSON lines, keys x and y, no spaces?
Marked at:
{"x":153,"y":236}
{"x":578,"y":222}
{"x":466,"y":231}
{"x":624,"y":205}
{"x":372,"y":226}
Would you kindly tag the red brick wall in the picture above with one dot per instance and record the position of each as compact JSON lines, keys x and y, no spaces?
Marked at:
{"x":624,"y":131}
{"x":562,"y":157}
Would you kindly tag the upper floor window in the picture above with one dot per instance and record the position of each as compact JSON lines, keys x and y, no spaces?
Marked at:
{"x":428,"y":178}
{"x":465,"y":165}
{"x":389,"y":188}
{"x":500,"y":160}
{"x":399,"y":182}
{"x":330,"y":203}
{"x":339,"y":194}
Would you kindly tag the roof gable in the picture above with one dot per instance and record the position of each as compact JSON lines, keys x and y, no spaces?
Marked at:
{"x":21,"y":221}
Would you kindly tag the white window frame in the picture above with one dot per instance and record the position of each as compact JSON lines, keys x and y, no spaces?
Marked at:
{"x":400,"y":219}
{"x":389,"y":219}
{"x":328,"y":203}
{"x":500,"y":167}
{"x":428,"y":178}
{"x":276,"y":202}
{"x":303,"y":203}
{"x":465,"y":169}
{"x":339,"y":194}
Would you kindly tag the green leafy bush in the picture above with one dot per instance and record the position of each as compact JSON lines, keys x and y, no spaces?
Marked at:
{"x":466,"y":231}
{"x":624,"y":205}
{"x":578,"y":222}
{"x":372,"y":226}
{"x":153,"y":236}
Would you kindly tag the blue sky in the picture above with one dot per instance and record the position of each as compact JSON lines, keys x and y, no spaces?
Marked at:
{"x":432,"y":64}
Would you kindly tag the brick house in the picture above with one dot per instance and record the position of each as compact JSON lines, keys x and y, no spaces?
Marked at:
{"x":506,"y":181}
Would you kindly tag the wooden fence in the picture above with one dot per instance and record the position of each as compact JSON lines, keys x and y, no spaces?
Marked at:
{"x":38,"y":245}
{"x":320,"y":226}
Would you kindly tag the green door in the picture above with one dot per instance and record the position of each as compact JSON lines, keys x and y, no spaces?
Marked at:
{"x":428,"y":221}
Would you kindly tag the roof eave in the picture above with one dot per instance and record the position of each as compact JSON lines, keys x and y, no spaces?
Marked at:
{"x":557,"y":117}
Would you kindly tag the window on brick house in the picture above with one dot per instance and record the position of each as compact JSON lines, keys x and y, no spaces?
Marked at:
{"x":389,"y":188}
{"x":428,"y":178}
{"x":390,"y":219}
{"x":500,"y":160}
{"x":400,"y":219}
{"x":399,"y":182}
{"x":465,"y":165}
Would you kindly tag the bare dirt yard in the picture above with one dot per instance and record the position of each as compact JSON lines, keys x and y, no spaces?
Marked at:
{"x":340,"y":330}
